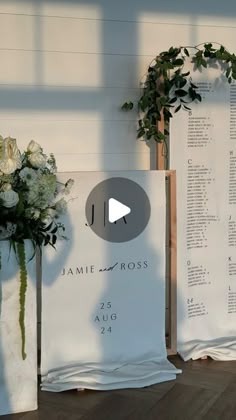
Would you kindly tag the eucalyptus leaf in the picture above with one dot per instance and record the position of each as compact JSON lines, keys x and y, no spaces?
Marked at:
{"x":181,"y":92}
{"x":172,"y":100}
{"x":198,"y":97}
{"x":178,"y":108}
{"x":178,"y":62}
{"x":141,"y":133}
{"x":228,"y":71}
{"x":186,"y":52}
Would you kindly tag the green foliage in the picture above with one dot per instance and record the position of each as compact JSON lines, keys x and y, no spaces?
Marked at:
{"x":168,"y":89}
{"x":127,"y":106}
{"x":20,"y":248}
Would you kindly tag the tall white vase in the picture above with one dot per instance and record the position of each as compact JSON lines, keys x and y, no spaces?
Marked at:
{"x":18,"y":377}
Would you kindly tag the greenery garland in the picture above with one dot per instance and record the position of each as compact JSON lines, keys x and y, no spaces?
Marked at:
{"x":168,"y":88}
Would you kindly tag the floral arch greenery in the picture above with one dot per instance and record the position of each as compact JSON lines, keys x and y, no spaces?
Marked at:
{"x":168,"y":88}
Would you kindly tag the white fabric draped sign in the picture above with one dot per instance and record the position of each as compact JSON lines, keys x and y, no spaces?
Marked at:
{"x":203,"y":152}
{"x":103,"y":303}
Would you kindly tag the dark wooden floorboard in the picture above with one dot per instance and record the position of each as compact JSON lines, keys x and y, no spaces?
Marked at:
{"x":75,"y":400}
{"x":115,"y":407}
{"x":223,"y":366}
{"x":183,"y":402}
{"x":205,"y":376}
{"x":150,"y":393}
{"x":225,"y":406}
{"x":206,"y":390}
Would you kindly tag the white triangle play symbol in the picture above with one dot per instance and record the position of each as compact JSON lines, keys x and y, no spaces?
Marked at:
{"x":116,"y":210}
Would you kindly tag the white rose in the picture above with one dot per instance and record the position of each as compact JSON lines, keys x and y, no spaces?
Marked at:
{"x":37,"y":160}
{"x":10,"y":198}
{"x":34,"y":147}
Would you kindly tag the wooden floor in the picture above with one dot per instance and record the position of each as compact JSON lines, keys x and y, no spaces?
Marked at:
{"x":205,"y":390}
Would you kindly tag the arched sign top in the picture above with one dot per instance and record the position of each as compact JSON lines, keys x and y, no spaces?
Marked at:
{"x":168,"y":87}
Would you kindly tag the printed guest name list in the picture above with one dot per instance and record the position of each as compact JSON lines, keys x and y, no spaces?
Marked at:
{"x":203,"y":152}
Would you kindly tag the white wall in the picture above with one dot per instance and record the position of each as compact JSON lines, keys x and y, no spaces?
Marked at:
{"x":67,"y":66}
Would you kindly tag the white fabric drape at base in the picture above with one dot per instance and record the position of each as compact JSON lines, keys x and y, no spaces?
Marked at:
{"x":105,"y":328}
{"x":18,"y":378}
{"x":104,"y":376}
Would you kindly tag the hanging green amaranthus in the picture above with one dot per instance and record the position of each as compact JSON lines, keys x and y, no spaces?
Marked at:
{"x":20,"y":247}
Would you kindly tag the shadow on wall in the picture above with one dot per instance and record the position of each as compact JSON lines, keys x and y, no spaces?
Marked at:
{"x":129,"y":314}
{"x":56,"y":258}
{"x":124,"y":8}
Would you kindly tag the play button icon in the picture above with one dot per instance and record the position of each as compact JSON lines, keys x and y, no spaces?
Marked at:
{"x":117,"y":209}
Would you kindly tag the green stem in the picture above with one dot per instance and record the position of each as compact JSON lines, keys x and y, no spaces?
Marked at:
{"x":166,"y":153}
{"x":0,"y":284}
{"x":23,"y":288}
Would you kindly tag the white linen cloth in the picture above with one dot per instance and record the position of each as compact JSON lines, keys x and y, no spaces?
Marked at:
{"x":105,"y":329}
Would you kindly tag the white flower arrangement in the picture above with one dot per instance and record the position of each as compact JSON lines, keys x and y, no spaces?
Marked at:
{"x":31,"y":202}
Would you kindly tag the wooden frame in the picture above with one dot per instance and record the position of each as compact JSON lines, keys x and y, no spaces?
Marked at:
{"x":171,"y":264}
{"x":171,"y":249}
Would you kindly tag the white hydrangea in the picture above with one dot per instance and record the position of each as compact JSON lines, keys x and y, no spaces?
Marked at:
{"x":28,"y":175}
{"x":36,"y":197}
{"x":61,"y":206}
{"x":41,"y":194}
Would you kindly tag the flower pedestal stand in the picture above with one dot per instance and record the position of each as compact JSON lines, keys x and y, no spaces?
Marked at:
{"x":18,"y":377}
